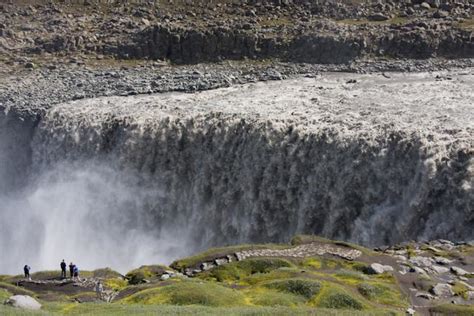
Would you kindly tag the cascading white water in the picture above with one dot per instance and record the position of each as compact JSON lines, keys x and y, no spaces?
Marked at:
{"x":127,"y":181}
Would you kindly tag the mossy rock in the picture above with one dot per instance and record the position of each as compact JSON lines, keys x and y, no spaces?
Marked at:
{"x":189,"y":293}
{"x":144,"y":273}
{"x":235,"y":271}
{"x":304,"y":288}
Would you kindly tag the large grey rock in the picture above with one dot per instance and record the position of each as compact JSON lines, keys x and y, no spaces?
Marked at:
{"x":380,"y":268}
{"x":439,"y":269}
{"x":23,"y":301}
{"x":459,"y":271}
{"x":422,"y":261}
{"x":442,"y":260}
{"x":443,"y":290}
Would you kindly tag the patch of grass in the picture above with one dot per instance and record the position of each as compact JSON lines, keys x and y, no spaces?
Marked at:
{"x":4,"y":295}
{"x":312,"y":263}
{"x":165,"y":310}
{"x":382,"y":294}
{"x":304,"y":288}
{"x":189,"y":293}
{"x":213,"y":253}
{"x":265,"y":297}
{"x":350,"y":277}
{"x":16,"y":290}
{"x":450,"y":309}
{"x":333,"y":296}
{"x":239,"y":270}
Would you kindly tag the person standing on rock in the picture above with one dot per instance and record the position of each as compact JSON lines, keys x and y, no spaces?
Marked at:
{"x":26,"y":270}
{"x":63,"y":269}
{"x":71,"y":270}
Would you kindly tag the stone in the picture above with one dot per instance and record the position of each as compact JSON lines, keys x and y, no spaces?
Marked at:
{"x":29,"y":65}
{"x":470,"y":295}
{"x":439,"y":269}
{"x":425,"y":295}
{"x":410,"y":311}
{"x":378,"y":268}
{"x":219,"y":262}
{"x":23,"y":301}
{"x":378,"y":17}
{"x":422,"y":261}
{"x":442,"y":289}
{"x":459,"y":271}
{"x":164,"y":277}
{"x":418,"y":270}
{"x":440,"y":14}
{"x":425,"y":6}
{"x":442,"y":260}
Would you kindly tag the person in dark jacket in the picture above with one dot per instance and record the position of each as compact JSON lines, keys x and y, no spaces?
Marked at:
{"x":26,"y":270}
{"x":71,"y":270}
{"x":63,"y":269}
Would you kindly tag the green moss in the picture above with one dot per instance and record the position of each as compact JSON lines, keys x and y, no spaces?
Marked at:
{"x":382,"y":294}
{"x":334,"y":296}
{"x":189,"y":293}
{"x":460,"y":289}
{"x":450,"y":309}
{"x":352,"y":277}
{"x":305,"y":288}
{"x":117,"y":284}
{"x":265,"y":297}
{"x":341,"y":301}
{"x":239,"y":270}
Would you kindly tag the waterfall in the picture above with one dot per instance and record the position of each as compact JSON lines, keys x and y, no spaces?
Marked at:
{"x":124,"y":181}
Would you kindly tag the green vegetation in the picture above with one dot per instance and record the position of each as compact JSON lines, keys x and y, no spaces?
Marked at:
{"x":143,"y":273}
{"x":16,"y":290}
{"x":305,"y":288}
{"x":334,"y":297}
{"x":450,"y":309}
{"x":238,"y":271}
{"x":189,"y":293}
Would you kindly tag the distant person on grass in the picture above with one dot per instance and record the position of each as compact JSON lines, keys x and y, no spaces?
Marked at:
{"x":26,"y":270}
{"x":99,"y":288}
{"x":63,"y":269}
{"x":71,"y":270}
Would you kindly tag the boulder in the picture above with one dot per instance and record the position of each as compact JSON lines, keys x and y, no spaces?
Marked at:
{"x":425,"y":6}
{"x":440,"y":14}
{"x":459,"y":271}
{"x":442,"y":289}
{"x":23,"y":301}
{"x":439,"y":269}
{"x":422,"y":261}
{"x":442,"y":260}
{"x":378,"y":268}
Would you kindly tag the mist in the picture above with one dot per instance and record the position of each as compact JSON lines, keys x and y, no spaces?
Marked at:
{"x":88,"y":213}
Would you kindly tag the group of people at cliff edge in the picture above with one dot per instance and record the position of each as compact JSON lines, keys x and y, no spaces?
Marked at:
{"x":73,"y":271}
